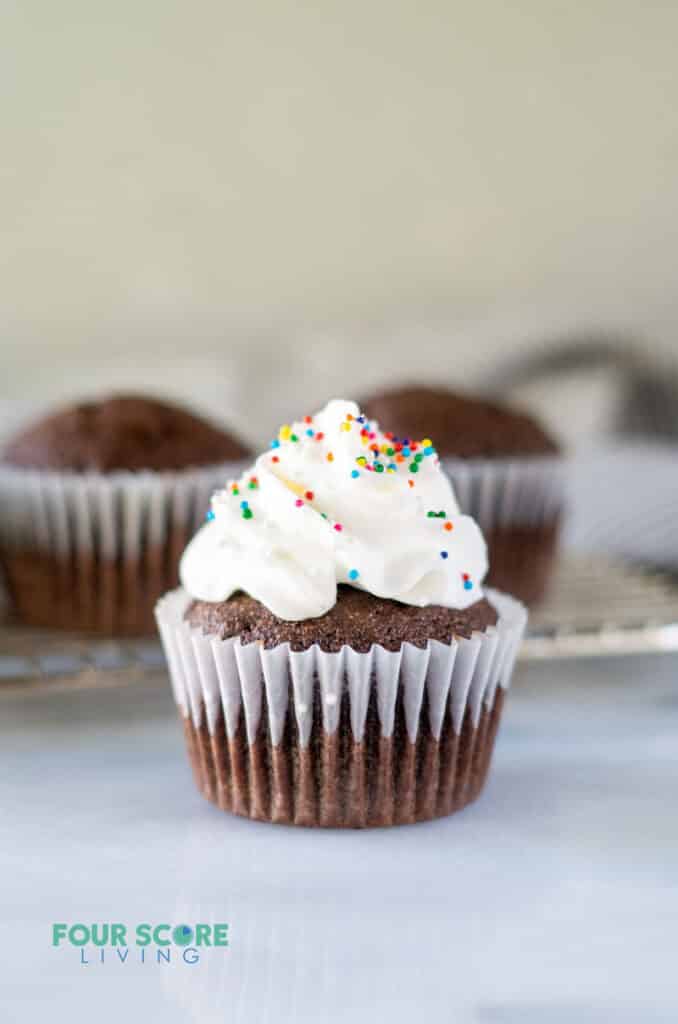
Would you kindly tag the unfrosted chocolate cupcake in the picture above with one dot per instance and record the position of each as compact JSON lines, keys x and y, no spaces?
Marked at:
{"x":460,"y":425}
{"x":333,"y":655}
{"x":123,"y":432}
{"x":98,"y":500}
{"x":506,"y":468}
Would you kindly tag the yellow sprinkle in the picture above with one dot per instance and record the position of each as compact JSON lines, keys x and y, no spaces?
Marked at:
{"x":285,"y":432}
{"x":361,"y":460}
{"x":365,"y":440}
{"x":345,"y":426}
{"x":426,"y":443}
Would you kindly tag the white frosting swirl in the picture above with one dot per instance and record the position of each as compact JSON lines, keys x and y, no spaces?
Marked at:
{"x":322,"y":507}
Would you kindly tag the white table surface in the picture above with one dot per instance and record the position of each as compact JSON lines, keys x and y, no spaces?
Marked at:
{"x":553,"y":899}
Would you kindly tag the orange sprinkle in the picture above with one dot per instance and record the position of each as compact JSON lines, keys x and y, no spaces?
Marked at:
{"x":411,"y":483}
{"x":330,"y":457}
{"x":447,"y":526}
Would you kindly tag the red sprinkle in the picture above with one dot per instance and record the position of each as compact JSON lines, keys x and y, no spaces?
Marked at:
{"x":274,"y":458}
{"x":319,"y":436}
{"x":338,"y":527}
{"x":309,"y":495}
{"x":308,"y":419}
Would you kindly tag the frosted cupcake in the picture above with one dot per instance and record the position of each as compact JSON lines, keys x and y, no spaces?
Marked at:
{"x":332,"y":652}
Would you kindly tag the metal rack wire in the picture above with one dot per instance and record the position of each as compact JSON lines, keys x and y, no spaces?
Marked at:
{"x":596,"y":607}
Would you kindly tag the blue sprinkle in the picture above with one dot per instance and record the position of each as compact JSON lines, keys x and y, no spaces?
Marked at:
{"x":406,"y":451}
{"x":353,"y":574}
{"x":429,"y":450}
{"x":244,"y":504}
{"x":309,"y":432}
{"x":391,"y":465}
{"x":354,"y":473}
{"x":210,"y":516}
{"x":275,"y":443}
{"x":443,"y":554}
{"x":468,"y":585}
{"x":361,"y":419}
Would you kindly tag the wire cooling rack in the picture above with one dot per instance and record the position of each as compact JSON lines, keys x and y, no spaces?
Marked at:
{"x":595,"y":607}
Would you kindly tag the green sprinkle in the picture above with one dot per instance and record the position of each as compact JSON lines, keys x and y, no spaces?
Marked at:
{"x":379,"y":468}
{"x":247,"y":513}
{"x":418,"y":457}
{"x":293,"y":437}
{"x":414,"y":467}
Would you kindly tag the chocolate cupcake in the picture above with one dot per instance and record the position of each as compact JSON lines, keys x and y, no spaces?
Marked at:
{"x":508,"y":473}
{"x":98,"y":501}
{"x":333,"y":656}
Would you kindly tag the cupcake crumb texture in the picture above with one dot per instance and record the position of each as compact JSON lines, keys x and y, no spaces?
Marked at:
{"x":357,"y":620}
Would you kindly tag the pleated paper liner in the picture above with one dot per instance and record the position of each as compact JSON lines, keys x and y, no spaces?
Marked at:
{"x":340,"y":739}
{"x":94,"y":551}
{"x":518,"y":504}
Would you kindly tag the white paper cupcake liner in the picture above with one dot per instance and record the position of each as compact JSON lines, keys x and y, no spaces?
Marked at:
{"x":518,"y":504}
{"x":103,"y":522}
{"x":230,"y":694}
{"x":526,"y":491}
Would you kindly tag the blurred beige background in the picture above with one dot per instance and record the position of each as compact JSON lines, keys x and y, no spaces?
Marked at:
{"x":254,"y":205}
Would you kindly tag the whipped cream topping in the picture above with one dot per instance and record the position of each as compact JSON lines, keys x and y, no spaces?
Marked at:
{"x":335,"y":500}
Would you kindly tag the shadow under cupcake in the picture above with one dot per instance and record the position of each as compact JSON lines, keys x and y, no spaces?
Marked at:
{"x":332,"y":655}
{"x":97,"y":502}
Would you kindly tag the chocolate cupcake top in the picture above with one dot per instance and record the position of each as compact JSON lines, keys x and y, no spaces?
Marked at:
{"x":336,"y":501}
{"x":462,"y":426}
{"x":124,"y":432}
{"x":357,"y":620}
